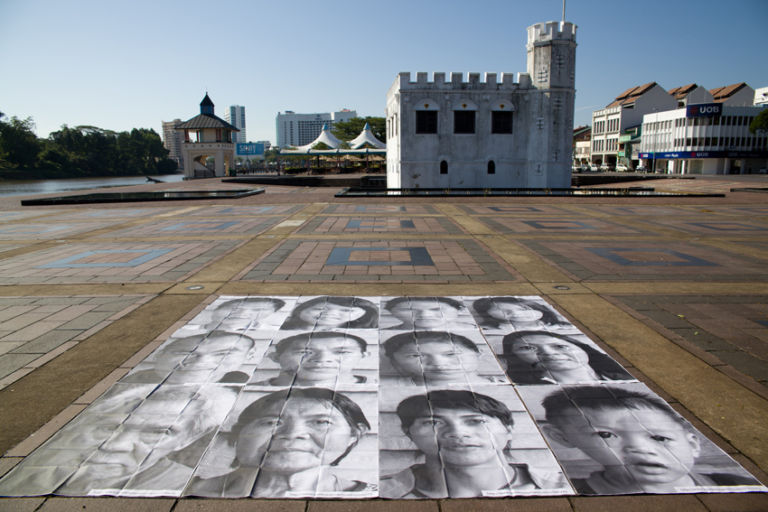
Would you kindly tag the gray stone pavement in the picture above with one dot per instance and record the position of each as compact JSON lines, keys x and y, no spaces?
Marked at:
{"x":675,"y":289}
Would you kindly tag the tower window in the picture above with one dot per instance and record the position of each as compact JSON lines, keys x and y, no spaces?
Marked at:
{"x":426,"y":121}
{"x":464,"y":121}
{"x":443,"y":167}
{"x":501,"y":121}
{"x":491,"y":167}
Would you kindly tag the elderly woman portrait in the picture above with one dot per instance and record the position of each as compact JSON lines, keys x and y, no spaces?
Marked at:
{"x":464,"y":438}
{"x":438,"y":358}
{"x":287,"y":444}
{"x":515,"y":313}
{"x":541,"y":357}
{"x":322,"y":313}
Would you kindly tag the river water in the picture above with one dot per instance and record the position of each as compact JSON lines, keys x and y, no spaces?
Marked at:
{"x":28,"y":187}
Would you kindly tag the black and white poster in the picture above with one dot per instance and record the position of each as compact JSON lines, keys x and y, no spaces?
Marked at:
{"x":390,"y":397}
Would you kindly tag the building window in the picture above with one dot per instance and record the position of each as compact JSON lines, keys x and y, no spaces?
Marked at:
{"x":464,"y":121}
{"x":501,"y":121}
{"x":491,"y":167}
{"x":443,"y":167}
{"x":426,"y":121}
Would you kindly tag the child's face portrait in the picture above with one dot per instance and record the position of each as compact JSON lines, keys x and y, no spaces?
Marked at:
{"x":435,"y":360}
{"x":510,"y":312}
{"x":461,"y":437}
{"x":299,"y":434}
{"x":425,"y":314}
{"x":329,"y":314}
{"x":320,"y":359}
{"x":550,"y":353}
{"x":648,"y":443}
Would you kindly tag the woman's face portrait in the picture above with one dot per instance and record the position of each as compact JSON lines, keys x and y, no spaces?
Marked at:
{"x":320,"y":359}
{"x":509,"y":312}
{"x":461,"y":437}
{"x":425,"y":314}
{"x":550,"y":353}
{"x":436,"y":360}
{"x":329,"y":314}
{"x":294,"y":436}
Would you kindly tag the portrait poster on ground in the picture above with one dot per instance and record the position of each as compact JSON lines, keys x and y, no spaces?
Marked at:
{"x":377,"y":397}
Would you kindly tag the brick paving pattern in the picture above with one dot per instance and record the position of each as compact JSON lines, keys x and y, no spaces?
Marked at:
{"x":91,"y":263}
{"x":399,"y":261}
{"x":675,"y":289}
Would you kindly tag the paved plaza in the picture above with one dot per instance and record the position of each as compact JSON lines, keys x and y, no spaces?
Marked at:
{"x":675,"y":289}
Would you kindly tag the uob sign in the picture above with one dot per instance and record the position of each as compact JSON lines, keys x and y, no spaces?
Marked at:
{"x":704,"y":110}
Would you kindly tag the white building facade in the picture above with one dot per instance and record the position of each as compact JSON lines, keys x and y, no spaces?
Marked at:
{"x":236,"y":117}
{"x":300,"y":129}
{"x":710,"y":138}
{"x":626,"y":111}
{"x":469,"y":133}
{"x":761,"y":96}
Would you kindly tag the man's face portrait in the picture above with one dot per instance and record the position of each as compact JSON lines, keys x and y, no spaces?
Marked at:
{"x":436,"y":360}
{"x":460,"y":437}
{"x":320,"y":358}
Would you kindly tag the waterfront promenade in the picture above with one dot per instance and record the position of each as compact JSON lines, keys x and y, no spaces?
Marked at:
{"x":676,"y":289}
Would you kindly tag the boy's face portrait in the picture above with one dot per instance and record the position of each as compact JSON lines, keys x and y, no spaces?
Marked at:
{"x":320,"y":358}
{"x":435,"y":360}
{"x":330,"y":315}
{"x":648,"y":443}
{"x":510,"y":312}
{"x":461,"y":437}
{"x":425,"y":314}
{"x":293,"y":436}
{"x":551,"y":353}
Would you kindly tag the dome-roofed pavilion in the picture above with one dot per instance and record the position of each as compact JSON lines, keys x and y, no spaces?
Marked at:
{"x":207,"y":135}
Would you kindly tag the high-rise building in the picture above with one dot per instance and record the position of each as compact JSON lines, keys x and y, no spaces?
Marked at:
{"x":299,"y":129}
{"x":236,"y":117}
{"x":172,"y":140}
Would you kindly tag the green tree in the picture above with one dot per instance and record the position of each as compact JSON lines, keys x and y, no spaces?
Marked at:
{"x":19,"y":146}
{"x":760,"y":122}
{"x":348,"y":130}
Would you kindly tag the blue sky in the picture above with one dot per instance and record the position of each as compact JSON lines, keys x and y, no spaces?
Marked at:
{"x":123,"y":65}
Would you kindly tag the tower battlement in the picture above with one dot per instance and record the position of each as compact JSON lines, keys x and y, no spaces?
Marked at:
{"x":457,"y":81}
{"x":551,"y":31}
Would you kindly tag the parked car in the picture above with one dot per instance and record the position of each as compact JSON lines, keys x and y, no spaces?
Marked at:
{"x":622,"y":168}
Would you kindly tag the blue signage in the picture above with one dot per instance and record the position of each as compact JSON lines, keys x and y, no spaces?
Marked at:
{"x":704,"y":110}
{"x":249,"y":148}
{"x":704,"y":154}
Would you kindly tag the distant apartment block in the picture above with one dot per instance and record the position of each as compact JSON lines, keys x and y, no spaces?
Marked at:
{"x":299,"y":129}
{"x":172,"y":141}
{"x":236,"y":117}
